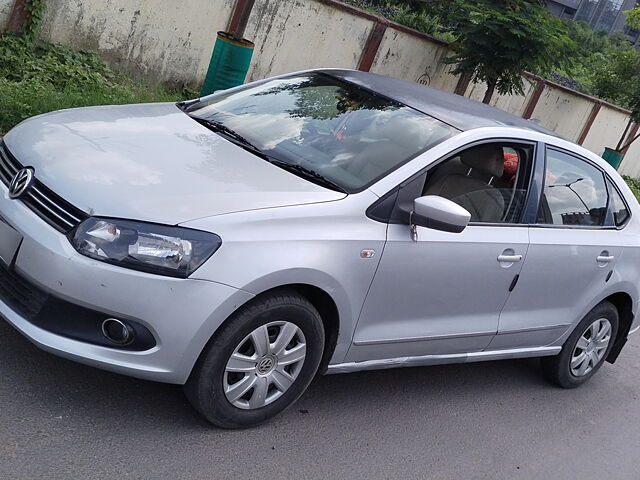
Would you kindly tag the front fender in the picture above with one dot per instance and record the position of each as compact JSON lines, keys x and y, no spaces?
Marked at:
{"x":318,"y":245}
{"x":348,"y":309}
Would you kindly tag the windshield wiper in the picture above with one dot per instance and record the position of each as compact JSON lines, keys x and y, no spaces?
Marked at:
{"x":307,"y":173}
{"x":222,"y":128}
{"x":185,"y":104}
{"x":297,"y":169}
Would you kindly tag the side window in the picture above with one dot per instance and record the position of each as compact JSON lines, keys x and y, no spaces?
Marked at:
{"x":489,"y":180}
{"x":574,"y":192}
{"x":617,"y":206}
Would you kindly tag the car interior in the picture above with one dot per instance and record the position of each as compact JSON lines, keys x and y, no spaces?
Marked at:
{"x":488,"y":180}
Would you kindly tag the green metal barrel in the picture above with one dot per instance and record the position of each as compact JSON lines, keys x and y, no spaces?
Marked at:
{"x":613,"y":157}
{"x":229,"y":63}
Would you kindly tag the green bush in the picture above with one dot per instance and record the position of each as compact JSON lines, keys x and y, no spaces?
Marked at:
{"x":40,"y":77}
{"x":423,"y":22}
{"x":634,"y":185}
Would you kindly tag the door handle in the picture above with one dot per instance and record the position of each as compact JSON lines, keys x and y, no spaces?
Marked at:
{"x":509,"y":258}
{"x":605,"y":258}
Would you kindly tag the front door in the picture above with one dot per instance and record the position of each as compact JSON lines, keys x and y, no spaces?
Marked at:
{"x":442,"y":293}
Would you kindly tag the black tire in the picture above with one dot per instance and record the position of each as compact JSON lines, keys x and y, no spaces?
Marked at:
{"x":204,"y":389}
{"x":557,"y":369}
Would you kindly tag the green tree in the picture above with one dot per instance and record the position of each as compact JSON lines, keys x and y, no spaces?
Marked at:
{"x":617,"y":78}
{"x":496,"y":40}
{"x":633,"y":18}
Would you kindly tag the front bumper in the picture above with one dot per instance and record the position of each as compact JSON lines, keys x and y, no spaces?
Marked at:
{"x":181,"y":314}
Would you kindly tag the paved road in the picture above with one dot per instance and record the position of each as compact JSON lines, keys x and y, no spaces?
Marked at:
{"x":487,"y":421}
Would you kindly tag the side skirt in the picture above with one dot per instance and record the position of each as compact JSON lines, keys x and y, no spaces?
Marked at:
{"x":442,"y":359}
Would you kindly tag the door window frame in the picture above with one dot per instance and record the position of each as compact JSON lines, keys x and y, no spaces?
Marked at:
{"x":609,"y":182}
{"x":381,"y":208}
{"x":541,"y":175}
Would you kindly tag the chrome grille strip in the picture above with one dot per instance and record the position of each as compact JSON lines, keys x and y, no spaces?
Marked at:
{"x":8,"y":160}
{"x":4,"y":174}
{"x":8,"y":168}
{"x":54,"y":210}
{"x":42,"y":197}
{"x":66,"y":222}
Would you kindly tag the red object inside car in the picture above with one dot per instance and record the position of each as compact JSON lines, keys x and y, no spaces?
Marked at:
{"x":510,"y":164}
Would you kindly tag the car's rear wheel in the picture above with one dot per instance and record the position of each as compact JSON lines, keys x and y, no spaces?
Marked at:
{"x":586,"y":349}
{"x":259,"y":363}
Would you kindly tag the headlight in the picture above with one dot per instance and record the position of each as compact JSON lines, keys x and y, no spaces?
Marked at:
{"x":164,"y":250}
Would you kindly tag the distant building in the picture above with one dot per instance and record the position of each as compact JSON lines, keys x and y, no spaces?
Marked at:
{"x":604,"y":15}
{"x":564,"y":8}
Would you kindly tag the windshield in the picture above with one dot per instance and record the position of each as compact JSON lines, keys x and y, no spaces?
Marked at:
{"x":346,"y":134}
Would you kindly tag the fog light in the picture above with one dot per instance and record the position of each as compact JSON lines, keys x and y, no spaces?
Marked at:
{"x":117,"y":331}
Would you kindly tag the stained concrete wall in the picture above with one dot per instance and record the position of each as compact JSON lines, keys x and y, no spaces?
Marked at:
{"x":171,"y":42}
{"x":606,"y":132}
{"x":5,"y":11}
{"x":299,"y":34}
{"x":159,"y":40}
{"x":631,"y":163}
{"x":415,"y":58}
{"x":563,"y":112}
{"x":515,"y":104}
{"x":606,"y":129}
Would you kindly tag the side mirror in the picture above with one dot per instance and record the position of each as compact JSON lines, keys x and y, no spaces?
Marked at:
{"x":438,"y":213}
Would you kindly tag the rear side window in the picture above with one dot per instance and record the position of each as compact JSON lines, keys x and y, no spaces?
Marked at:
{"x":575,"y":192}
{"x":618,"y":208}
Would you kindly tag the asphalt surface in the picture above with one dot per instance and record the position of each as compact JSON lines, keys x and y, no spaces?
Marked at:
{"x":495,"y":420}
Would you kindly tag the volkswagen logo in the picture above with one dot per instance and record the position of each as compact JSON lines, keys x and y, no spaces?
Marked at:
{"x":266,"y":365}
{"x":21,"y":182}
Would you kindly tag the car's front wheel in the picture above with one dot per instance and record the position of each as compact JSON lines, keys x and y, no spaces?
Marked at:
{"x":586,"y":349}
{"x":259,"y":363}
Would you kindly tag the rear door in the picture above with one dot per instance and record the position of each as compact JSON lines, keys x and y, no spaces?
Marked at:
{"x":574,"y":247}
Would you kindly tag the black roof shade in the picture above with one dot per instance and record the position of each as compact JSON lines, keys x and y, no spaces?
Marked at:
{"x":455,"y":110}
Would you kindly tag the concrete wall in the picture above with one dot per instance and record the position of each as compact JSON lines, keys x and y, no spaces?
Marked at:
{"x":160,"y":40}
{"x":515,"y":104}
{"x":631,"y":163}
{"x":171,"y":42}
{"x":300,"y":34}
{"x":415,"y":58}
{"x":563,"y":112}
{"x":5,"y":11}
{"x":605,"y":128}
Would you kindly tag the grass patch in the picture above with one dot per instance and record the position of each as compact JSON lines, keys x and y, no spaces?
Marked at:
{"x":39,"y":77}
{"x":406,"y":14}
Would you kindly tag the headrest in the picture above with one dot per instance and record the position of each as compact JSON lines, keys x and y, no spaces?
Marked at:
{"x":488,"y":158}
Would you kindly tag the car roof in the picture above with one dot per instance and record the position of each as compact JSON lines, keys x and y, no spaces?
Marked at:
{"x":455,"y":110}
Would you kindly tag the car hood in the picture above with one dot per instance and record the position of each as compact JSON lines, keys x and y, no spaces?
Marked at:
{"x":151,"y":162}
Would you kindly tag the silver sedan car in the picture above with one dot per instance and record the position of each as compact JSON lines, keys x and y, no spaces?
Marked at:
{"x":323,"y":221}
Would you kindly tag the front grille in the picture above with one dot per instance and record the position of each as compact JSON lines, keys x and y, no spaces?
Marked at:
{"x":21,"y":296}
{"x":9,"y":166}
{"x":53,"y":209}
